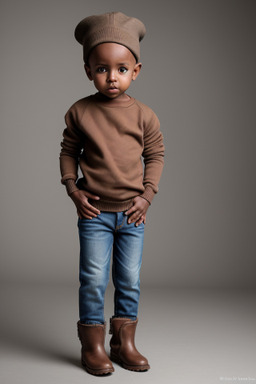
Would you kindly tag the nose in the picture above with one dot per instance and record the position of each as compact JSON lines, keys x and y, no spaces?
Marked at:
{"x":112,"y":76}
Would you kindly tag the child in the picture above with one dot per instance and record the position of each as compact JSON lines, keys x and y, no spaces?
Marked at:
{"x":106,"y":134}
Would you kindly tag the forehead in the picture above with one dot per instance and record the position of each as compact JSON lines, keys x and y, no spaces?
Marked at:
{"x":111,"y":53}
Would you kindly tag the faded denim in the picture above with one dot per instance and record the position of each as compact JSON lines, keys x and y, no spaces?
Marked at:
{"x":107,"y":234}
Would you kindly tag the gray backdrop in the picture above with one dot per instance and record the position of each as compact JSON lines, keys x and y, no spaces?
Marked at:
{"x":198,"y":76}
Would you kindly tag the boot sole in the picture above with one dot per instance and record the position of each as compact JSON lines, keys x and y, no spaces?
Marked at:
{"x":136,"y":368}
{"x":97,"y":372}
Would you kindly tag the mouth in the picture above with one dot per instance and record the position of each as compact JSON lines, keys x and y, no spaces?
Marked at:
{"x":112,"y":89}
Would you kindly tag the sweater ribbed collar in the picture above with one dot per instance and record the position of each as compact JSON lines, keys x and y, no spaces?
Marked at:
{"x":112,"y":103}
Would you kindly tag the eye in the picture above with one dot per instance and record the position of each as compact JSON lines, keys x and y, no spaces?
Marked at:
{"x":101,"y":70}
{"x":123,"y":70}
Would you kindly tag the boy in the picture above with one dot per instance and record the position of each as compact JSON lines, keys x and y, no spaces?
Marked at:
{"x":106,"y":134}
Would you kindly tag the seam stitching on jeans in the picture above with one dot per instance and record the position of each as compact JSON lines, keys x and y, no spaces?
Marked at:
{"x":120,"y":226}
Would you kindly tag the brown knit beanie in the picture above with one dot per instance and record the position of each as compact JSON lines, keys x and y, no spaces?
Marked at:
{"x":114,"y":27}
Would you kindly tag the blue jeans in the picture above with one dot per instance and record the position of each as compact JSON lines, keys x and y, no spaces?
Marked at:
{"x":98,"y":237}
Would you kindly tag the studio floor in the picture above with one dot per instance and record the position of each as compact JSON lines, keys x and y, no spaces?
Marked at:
{"x":190,"y":336}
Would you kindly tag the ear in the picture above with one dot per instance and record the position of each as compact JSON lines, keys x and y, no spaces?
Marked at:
{"x":88,"y":72}
{"x":136,"y":70}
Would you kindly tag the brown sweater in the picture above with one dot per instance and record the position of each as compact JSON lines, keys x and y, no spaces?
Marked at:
{"x":107,"y":139}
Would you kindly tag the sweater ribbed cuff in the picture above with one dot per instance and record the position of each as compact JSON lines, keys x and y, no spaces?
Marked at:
{"x":70,"y":186}
{"x":148,"y":194}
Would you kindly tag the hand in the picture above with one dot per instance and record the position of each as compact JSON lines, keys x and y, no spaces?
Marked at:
{"x":138,"y":211}
{"x":84,"y":208}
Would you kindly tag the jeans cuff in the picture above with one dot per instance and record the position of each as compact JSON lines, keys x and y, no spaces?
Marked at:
{"x":91,"y":322}
{"x":124,"y":317}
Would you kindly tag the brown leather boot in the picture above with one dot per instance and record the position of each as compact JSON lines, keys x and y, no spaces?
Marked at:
{"x":123,"y":350}
{"x":94,"y":357}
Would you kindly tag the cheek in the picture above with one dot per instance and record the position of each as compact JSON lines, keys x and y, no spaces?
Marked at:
{"x":127,"y":80}
{"x":99,"y":80}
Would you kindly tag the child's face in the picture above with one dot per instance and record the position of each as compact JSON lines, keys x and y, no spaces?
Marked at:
{"x":112,"y":67}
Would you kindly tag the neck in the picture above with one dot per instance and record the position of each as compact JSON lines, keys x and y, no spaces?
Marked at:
{"x":122,"y":98}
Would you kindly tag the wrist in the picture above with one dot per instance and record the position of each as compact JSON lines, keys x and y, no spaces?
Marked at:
{"x":71,"y":186}
{"x":148,"y":195}
{"x":144,"y":198}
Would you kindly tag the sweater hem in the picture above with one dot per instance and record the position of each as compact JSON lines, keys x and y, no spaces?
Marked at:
{"x":112,"y":206}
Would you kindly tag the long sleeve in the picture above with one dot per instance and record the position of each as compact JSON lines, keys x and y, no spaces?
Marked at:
{"x":153,"y":155}
{"x":72,"y":145}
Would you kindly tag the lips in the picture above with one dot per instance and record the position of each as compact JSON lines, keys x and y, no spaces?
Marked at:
{"x":111,"y":89}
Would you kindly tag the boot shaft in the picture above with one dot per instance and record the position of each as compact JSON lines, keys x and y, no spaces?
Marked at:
{"x":122,"y":331}
{"x":123,"y":349}
{"x":91,"y":334}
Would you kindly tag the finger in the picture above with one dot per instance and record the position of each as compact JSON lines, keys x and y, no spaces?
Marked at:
{"x":90,"y":195}
{"x":139,"y":222}
{"x":133,"y":218}
{"x":85,"y":214}
{"x":131,"y":210}
{"x":85,"y":210}
{"x":87,"y":217}
{"x":90,"y":208}
{"x":88,"y":214}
